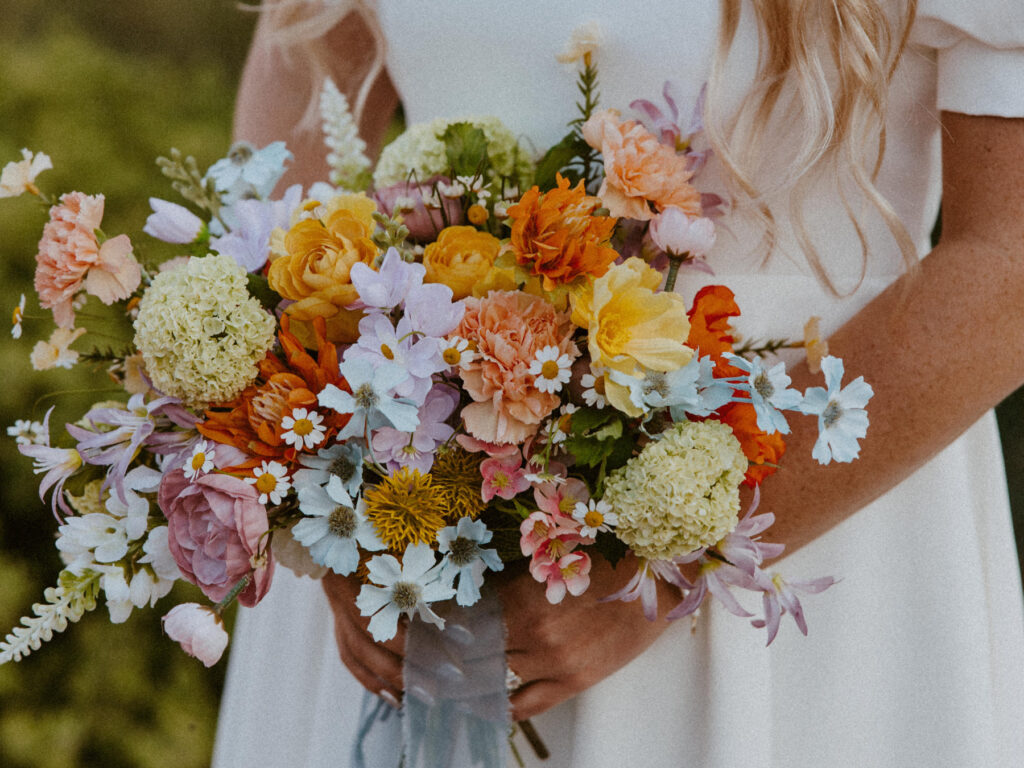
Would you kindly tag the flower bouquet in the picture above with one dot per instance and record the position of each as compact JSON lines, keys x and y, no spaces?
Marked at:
{"x":468,"y":358}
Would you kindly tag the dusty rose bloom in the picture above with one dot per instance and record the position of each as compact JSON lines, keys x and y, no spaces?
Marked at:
{"x":509,"y":329}
{"x":216,"y":527}
{"x":198,"y":630}
{"x":424,"y":223}
{"x":70,"y":258}
{"x":640,"y":171}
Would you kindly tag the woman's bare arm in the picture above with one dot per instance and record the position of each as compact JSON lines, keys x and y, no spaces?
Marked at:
{"x":276,"y":90}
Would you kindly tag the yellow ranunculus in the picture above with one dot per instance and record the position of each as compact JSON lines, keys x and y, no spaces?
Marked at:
{"x":632,"y":327}
{"x":315,"y":271}
{"x":460,"y":258}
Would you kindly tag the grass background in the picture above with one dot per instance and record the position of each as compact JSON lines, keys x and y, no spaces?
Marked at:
{"x":104,"y":88}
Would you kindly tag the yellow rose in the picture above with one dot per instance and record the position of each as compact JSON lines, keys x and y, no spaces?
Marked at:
{"x":631,"y":326}
{"x":460,"y":258}
{"x":315,"y":270}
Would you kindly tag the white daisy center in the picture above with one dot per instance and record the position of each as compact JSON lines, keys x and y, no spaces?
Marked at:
{"x":302,"y":427}
{"x":198,"y":460}
{"x":593,"y":519}
{"x":550,"y":369}
{"x":266,"y":483}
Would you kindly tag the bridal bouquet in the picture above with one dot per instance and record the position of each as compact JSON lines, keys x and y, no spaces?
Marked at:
{"x":416,"y":376}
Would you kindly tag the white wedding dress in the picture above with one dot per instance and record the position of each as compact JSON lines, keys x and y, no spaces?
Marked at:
{"x":916,"y":657}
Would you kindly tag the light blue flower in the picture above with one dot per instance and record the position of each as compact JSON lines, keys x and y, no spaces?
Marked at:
{"x":842,"y":419}
{"x":371,"y":402}
{"x":248,"y":172}
{"x":334,"y":527}
{"x":464,"y":557}
{"x":769,"y":392}
{"x":342,"y":460}
{"x":408,"y":587}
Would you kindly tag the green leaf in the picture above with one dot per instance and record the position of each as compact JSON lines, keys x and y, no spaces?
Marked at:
{"x":611,"y":547}
{"x":260,"y":289}
{"x":555,"y":160}
{"x":610,"y":431}
{"x":588,"y":451}
{"x":466,"y":148}
{"x":585,"y":420}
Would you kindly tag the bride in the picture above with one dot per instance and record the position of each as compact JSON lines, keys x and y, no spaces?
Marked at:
{"x":916,"y":657}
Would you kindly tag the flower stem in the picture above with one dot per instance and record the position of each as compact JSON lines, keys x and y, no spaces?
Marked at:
{"x":674,"y":262}
{"x":235,"y":592}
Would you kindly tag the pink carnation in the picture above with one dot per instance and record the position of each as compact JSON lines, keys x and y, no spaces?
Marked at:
{"x":216,"y":528}
{"x":509,"y":329}
{"x":70,"y":257}
{"x":639,"y":170}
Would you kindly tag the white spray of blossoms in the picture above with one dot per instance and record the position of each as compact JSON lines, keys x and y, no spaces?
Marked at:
{"x":347,"y":160}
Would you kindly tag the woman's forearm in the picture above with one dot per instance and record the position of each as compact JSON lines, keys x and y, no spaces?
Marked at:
{"x":940,"y":347}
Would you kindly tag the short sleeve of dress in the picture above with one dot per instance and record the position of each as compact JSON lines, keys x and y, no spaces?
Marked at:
{"x":979,"y":46}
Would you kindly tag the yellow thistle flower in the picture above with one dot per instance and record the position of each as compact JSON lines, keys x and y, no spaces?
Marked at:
{"x":405,"y":508}
{"x":456,"y":474}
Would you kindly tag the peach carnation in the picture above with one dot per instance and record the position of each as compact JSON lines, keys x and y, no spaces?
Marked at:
{"x":557,"y":237}
{"x":70,"y":257}
{"x":509,"y":329}
{"x":639,"y":170}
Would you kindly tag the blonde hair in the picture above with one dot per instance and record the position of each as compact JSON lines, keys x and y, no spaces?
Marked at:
{"x":835,"y":94}
{"x":838,"y":122}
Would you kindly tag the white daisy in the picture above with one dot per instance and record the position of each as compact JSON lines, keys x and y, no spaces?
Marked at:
{"x":456,"y":351}
{"x":594,"y":516}
{"x":271,"y":481}
{"x":304,"y":429}
{"x":593,"y":387}
{"x":16,"y":316}
{"x":200,"y":462}
{"x":551,"y":369}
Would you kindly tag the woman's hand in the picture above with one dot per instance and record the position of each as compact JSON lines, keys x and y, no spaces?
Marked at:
{"x":556,"y":650}
{"x":561,"y":650}
{"x":377,"y":666}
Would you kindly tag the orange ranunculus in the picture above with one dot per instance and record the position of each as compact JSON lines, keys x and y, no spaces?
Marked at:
{"x":639,"y":170}
{"x":252,"y":421}
{"x":762,"y":449}
{"x":460,"y":258}
{"x":556,"y":236}
{"x":315,"y":272}
{"x":710,"y":332}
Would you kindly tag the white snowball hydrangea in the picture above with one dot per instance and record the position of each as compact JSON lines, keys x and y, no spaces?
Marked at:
{"x":681,"y":493}
{"x":201,"y":333}
{"x":419,"y":150}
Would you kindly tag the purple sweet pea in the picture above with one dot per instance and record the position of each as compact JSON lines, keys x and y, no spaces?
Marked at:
{"x":252,"y":221}
{"x":172,"y":223}
{"x":386,"y":288}
{"x":416,"y":449}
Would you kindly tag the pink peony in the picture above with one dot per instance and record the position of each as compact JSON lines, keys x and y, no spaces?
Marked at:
{"x":217,"y":527}
{"x":199,"y":631}
{"x":639,"y":170}
{"x":509,"y":328}
{"x":406,"y":199}
{"x":70,"y":257}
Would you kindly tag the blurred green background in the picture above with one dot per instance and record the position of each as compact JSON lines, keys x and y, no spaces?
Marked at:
{"x":104,"y":88}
